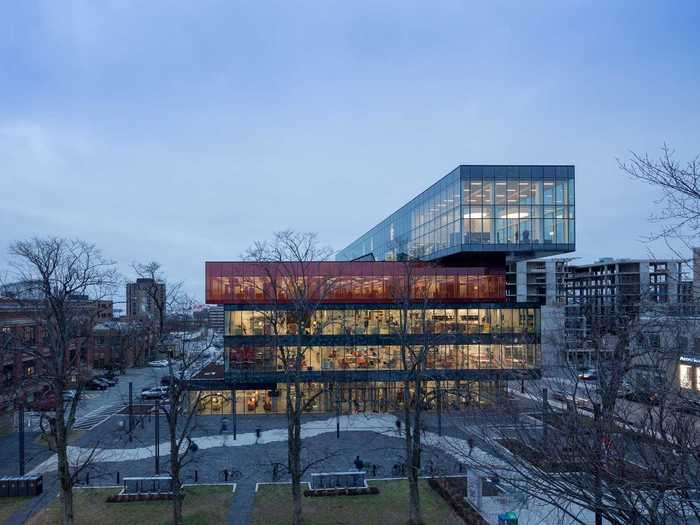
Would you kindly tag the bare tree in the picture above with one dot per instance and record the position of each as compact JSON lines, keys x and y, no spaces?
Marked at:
{"x":680,"y":190}
{"x":590,"y":444}
{"x":58,"y":274}
{"x":294,"y":291}
{"x":626,"y":462}
{"x":411,"y":291}
{"x":170,"y":336}
{"x":182,"y":405}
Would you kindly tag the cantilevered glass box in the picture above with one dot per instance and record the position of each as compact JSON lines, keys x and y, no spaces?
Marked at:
{"x":520,"y":211}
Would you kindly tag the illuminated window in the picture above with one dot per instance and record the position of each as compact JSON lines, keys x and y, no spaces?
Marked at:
{"x":686,"y":376}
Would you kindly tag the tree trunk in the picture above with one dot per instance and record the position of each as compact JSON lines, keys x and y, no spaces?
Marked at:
{"x":64,"y":476}
{"x":412,"y":437}
{"x":177,"y":489}
{"x":294,"y":440}
{"x":175,"y":459}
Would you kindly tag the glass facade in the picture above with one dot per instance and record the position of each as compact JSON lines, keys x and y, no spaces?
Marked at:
{"x":368,"y":338}
{"x":468,"y":224}
{"x":387,"y":357}
{"x":369,"y":396}
{"x":357,"y":322}
{"x":350,"y":282}
{"x":510,"y":209}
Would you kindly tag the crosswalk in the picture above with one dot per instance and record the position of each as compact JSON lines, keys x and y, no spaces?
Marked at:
{"x":89,"y":395}
{"x":97,"y":416}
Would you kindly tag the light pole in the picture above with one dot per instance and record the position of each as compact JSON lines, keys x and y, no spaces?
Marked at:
{"x":157,"y":437}
{"x":131,"y":410}
{"x":21,"y":439}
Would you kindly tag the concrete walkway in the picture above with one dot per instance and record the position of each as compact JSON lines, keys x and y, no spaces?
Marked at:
{"x":383,"y":424}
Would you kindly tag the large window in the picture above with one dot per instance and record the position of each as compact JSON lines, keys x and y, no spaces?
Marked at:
{"x":686,"y":376}
{"x":349,"y":282}
{"x":386,"y":357}
{"x":361,"y":322}
{"x":517,"y":212}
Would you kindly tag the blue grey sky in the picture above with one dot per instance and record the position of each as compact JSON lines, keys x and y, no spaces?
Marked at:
{"x":184,"y":131}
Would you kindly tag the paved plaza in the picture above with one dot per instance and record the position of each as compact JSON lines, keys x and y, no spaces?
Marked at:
{"x":250,"y":459}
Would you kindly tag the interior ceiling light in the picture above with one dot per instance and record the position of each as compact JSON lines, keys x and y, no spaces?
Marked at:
{"x":516,"y":215}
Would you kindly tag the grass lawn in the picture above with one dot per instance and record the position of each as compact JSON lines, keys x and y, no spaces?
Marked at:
{"x":273,"y":506}
{"x":8,"y":506}
{"x":203,"y":505}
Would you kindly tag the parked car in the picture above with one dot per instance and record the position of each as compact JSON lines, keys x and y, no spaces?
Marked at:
{"x":158,"y":392}
{"x":96,"y":384}
{"x":105,"y":379}
{"x":110,"y":374}
{"x":160,"y":363}
{"x":642,"y":396}
{"x":687,"y":406}
{"x":45,"y":403}
{"x":588,"y":374}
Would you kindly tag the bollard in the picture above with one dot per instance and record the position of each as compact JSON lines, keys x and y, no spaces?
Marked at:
{"x":117,"y":477}
{"x":225,"y":474}
{"x":257,"y":433}
{"x":87,"y":477}
{"x":195,"y":476}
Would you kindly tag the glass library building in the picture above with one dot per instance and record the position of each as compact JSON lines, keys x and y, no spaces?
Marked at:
{"x":462,"y":230}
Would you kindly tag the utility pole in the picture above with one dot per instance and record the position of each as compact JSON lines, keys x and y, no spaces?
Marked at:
{"x":439,"y":407}
{"x":131,"y":410}
{"x":21,"y":439}
{"x":337,"y":410}
{"x":233,"y":411}
{"x":157,"y":437}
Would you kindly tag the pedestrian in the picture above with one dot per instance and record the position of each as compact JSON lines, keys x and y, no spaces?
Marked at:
{"x":223,"y":425}
{"x":359,"y":464}
{"x":470,"y":444}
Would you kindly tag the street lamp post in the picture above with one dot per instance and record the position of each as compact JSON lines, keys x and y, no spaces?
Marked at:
{"x":21,"y":439}
{"x":157,"y":437}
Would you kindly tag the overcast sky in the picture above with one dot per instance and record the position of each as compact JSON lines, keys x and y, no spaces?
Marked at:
{"x":182,"y":132}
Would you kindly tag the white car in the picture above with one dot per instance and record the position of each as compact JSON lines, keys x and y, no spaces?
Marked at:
{"x":588,"y":374}
{"x":158,"y":392}
{"x":160,"y":363}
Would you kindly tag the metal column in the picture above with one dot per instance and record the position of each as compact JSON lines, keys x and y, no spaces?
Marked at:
{"x":21,"y":440}
{"x":157,"y":436}
{"x":233,"y":411}
{"x":131,"y":410}
{"x":337,"y":410}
